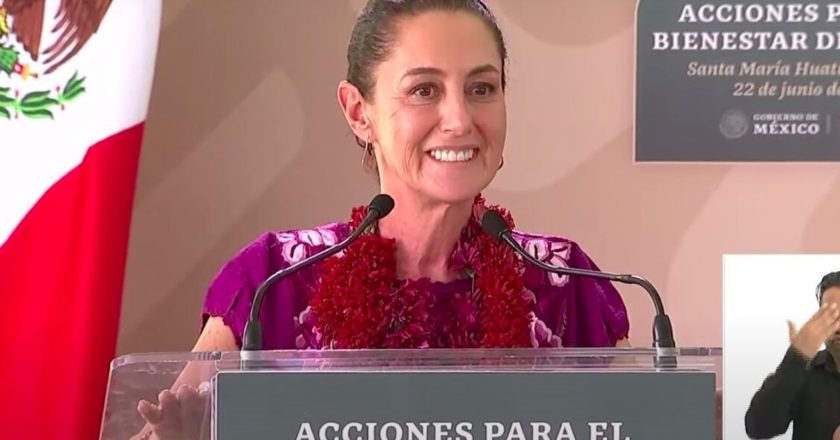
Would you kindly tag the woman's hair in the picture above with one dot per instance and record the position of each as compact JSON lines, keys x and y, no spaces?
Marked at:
{"x":375,"y":32}
{"x":828,"y":281}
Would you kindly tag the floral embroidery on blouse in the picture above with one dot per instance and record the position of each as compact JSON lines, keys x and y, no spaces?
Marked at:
{"x":553,"y":252}
{"x":541,"y":335}
{"x":583,"y":313}
{"x":297,"y":244}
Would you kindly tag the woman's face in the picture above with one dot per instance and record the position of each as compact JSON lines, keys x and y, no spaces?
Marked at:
{"x":438,"y":109}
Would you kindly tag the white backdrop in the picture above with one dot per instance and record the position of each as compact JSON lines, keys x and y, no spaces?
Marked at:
{"x":760,"y":292}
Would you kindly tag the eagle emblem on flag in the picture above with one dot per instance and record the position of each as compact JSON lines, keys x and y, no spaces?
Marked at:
{"x":27,"y":62}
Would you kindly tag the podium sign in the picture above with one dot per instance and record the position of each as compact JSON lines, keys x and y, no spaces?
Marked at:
{"x":469,"y":394}
{"x":464,"y":405}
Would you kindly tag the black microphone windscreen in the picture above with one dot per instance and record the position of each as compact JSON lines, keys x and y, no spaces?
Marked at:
{"x":383,"y":203}
{"x":494,"y":224}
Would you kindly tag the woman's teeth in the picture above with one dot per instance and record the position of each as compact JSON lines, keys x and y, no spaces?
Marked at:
{"x":453,"y":155}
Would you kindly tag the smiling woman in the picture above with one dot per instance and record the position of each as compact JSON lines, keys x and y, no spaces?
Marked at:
{"x":424,"y":96}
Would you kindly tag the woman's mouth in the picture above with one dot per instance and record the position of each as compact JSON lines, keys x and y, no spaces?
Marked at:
{"x":459,"y":155}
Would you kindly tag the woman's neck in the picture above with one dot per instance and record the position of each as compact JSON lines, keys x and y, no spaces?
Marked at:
{"x":426,"y":233}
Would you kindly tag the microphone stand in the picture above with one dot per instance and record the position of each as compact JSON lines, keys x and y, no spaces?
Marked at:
{"x":663,"y":333}
{"x":252,"y":336}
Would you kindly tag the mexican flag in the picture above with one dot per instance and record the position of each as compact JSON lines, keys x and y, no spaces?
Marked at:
{"x":75,"y":81}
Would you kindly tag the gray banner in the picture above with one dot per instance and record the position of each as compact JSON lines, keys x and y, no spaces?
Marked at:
{"x":465,"y":406}
{"x":754,"y":81}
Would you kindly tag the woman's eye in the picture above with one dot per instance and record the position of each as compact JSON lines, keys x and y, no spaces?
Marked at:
{"x":483,"y":89}
{"x":423,"y":91}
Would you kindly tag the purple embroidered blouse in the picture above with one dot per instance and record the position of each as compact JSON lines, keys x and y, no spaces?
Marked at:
{"x":569,"y":311}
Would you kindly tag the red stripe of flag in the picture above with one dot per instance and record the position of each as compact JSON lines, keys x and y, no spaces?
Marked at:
{"x":61,"y":281}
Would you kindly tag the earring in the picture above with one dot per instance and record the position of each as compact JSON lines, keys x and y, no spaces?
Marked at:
{"x":366,"y":151}
{"x":502,"y":163}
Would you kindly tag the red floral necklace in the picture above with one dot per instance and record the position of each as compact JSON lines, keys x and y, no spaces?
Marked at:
{"x":360,"y":302}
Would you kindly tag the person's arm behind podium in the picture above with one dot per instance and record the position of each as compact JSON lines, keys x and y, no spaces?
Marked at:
{"x":180,"y":413}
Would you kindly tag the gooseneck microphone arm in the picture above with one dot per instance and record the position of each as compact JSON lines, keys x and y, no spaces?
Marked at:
{"x":663,"y":333}
{"x":252,"y":339}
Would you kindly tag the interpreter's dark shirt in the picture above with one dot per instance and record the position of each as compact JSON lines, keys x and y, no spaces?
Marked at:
{"x":807,"y":393}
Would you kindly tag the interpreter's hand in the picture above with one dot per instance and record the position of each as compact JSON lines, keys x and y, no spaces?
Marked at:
{"x":180,"y":415}
{"x":824,"y":323}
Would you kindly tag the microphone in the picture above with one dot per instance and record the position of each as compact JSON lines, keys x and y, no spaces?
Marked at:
{"x":663,"y":334}
{"x":252,"y":339}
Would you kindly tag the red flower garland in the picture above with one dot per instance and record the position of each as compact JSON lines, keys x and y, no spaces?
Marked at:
{"x":360,"y":303}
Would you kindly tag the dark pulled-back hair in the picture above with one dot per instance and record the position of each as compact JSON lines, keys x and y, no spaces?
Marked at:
{"x":375,"y":31}
{"x":828,"y":281}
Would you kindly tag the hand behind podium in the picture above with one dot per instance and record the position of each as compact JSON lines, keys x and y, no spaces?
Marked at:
{"x":180,"y":415}
{"x":183,"y":411}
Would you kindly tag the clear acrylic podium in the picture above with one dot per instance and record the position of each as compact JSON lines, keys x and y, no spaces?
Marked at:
{"x":615,"y":393}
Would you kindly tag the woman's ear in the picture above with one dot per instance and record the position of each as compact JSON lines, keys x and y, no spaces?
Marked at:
{"x":353,"y":106}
